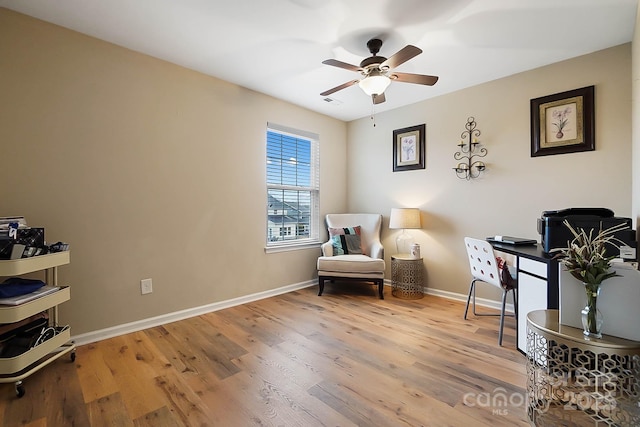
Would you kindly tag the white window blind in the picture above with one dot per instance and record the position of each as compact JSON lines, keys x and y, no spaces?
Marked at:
{"x":293,"y":187}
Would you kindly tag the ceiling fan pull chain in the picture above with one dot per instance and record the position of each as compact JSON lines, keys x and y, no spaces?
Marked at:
{"x":373,"y":110}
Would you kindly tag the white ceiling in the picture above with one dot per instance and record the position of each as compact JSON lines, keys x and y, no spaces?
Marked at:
{"x":276,"y":46}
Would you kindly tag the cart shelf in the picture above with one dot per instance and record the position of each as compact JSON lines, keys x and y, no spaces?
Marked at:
{"x":15,"y":369}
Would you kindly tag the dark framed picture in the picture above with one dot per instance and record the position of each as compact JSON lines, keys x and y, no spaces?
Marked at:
{"x":408,"y":148}
{"x":563,"y":122}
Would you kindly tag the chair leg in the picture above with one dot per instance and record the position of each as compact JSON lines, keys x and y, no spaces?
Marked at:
{"x":471,"y":289}
{"x":473,"y":299}
{"x":472,"y":295}
{"x":381,"y":288}
{"x":515,"y":303}
{"x":320,"y":285}
{"x":504,"y":301}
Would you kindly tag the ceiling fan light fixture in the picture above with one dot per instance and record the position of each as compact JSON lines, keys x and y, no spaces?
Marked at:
{"x":378,"y":71}
{"x":375,"y":83}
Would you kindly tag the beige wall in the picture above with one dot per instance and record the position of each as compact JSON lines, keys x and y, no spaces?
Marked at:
{"x":516,"y":188}
{"x":148,"y":170}
{"x":152,"y":170}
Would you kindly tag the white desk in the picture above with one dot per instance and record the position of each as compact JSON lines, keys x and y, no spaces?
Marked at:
{"x":537,"y":284}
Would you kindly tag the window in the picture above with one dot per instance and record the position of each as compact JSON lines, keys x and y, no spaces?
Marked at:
{"x":292,"y":187}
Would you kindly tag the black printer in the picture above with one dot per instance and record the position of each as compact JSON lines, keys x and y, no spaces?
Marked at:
{"x":556,"y":235}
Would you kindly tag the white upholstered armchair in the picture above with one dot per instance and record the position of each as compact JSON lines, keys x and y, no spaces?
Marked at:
{"x":352,"y":256}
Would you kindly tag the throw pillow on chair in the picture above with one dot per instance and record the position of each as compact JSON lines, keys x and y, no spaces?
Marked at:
{"x":346,"y":241}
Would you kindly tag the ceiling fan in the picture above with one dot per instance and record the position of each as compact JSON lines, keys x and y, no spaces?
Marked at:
{"x":377,"y":71}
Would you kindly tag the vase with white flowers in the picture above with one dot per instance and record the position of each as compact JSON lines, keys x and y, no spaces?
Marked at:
{"x":585,"y":258}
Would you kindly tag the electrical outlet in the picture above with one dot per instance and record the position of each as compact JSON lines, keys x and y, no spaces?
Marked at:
{"x":146,"y":286}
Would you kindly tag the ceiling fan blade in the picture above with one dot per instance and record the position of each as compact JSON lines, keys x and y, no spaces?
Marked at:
{"x":378,"y":99}
{"x":337,"y":88}
{"x":341,"y":64}
{"x":420,"y":79}
{"x":402,"y":56}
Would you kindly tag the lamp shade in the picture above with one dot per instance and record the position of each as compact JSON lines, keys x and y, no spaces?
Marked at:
{"x":405,"y":218}
{"x":375,"y":83}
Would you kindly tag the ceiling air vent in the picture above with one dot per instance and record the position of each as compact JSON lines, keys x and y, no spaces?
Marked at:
{"x":332,"y":101}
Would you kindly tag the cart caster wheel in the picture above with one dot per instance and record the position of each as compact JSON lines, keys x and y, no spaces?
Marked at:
{"x":20,"y":391}
{"x":73,"y":356}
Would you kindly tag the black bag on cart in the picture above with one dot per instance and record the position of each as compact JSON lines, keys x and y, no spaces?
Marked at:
{"x":17,"y":341}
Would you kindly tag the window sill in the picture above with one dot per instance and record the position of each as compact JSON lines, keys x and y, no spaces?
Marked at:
{"x":286,"y":247}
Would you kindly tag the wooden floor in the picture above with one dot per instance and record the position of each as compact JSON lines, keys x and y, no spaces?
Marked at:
{"x":343,"y":359}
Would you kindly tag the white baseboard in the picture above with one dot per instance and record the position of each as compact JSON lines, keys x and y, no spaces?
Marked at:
{"x":481,"y":302}
{"x":151,"y":322}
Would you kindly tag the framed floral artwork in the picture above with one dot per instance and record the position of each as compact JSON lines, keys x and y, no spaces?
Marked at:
{"x":563,"y":122}
{"x":408,"y":148}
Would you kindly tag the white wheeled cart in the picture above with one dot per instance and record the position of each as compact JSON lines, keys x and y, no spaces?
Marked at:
{"x":15,"y":369}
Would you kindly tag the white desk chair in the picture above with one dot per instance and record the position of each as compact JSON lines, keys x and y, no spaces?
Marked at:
{"x":484,"y":268}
